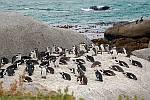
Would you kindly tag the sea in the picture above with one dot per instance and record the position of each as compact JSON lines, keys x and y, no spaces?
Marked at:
{"x":76,"y":11}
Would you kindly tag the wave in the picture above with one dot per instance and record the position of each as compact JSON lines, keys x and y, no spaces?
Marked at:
{"x":86,"y":9}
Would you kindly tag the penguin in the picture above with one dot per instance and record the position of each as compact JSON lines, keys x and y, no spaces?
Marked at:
{"x":51,"y":58}
{"x":34,"y":62}
{"x":99,"y":76}
{"x":96,"y":63}
{"x":54,"y":49}
{"x":81,"y":66}
{"x":102,"y":47}
{"x":30,"y":69}
{"x":130,"y":75}
{"x":122,"y":63}
{"x":65,"y":76}
{"x":89,"y":58}
{"x":43,"y":72}
{"x":80,"y":71}
{"x":57,"y":61}
{"x":108,"y":72}
{"x":82,"y":47}
{"x":45,"y":63}
{"x":52,"y":64}
{"x":113,"y":52}
{"x":10,"y":71}
{"x":27,"y":79}
{"x":106,"y":47}
{"x":50,"y":70}
{"x":136,"y":63}
{"x":4,"y":60}
{"x":33,"y":55}
{"x":16,"y":58}
{"x":83,"y":79}
{"x":25,"y":58}
{"x":2,"y":72}
{"x":72,"y":70}
{"x":116,"y":68}
{"x":80,"y":61}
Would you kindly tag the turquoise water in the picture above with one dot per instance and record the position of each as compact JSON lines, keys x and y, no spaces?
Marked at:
{"x":69,"y":11}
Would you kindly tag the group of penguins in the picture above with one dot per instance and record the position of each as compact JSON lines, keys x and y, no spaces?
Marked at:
{"x":50,"y":59}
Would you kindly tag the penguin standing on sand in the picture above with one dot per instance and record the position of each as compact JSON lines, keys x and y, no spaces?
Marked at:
{"x":43,"y":72}
{"x":89,"y":58}
{"x":2,"y":73}
{"x":83,"y":79}
{"x":99,"y":76}
{"x":33,"y":55}
{"x":114,"y":53}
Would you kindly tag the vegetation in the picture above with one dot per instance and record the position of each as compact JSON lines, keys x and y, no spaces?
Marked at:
{"x":120,"y":97}
{"x":16,"y":93}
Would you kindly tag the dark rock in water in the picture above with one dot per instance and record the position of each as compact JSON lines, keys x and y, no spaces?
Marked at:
{"x":99,"y":8}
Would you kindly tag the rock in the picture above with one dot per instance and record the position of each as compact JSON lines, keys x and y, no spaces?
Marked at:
{"x":19,"y":33}
{"x":100,"y":41}
{"x":142,"y":53}
{"x":130,"y":30}
{"x":99,"y":8}
{"x":149,"y":45}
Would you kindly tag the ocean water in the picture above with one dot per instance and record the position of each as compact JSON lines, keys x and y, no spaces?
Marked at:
{"x":70,"y":11}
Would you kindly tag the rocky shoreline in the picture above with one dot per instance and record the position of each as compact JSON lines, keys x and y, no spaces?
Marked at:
{"x":131,"y":35}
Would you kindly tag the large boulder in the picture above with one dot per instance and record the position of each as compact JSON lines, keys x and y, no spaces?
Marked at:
{"x":19,"y":33}
{"x":142,"y":53}
{"x":130,"y":30}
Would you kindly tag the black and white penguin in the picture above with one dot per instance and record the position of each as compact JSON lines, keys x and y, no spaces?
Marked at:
{"x":80,"y":61}
{"x":122,"y":63}
{"x":83,"y":79}
{"x":108,"y":72}
{"x":63,"y":61}
{"x":72,"y":70}
{"x":33,"y":55}
{"x":99,"y":76}
{"x":27,"y":79}
{"x":116,"y":68}
{"x":121,"y":50}
{"x":80,"y":71}
{"x":136,"y":63}
{"x":65,"y":76}
{"x":81,"y":66}
{"x":25,"y":58}
{"x":10,"y":71}
{"x":2,"y":72}
{"x":51,"y":58}
{"x":96,"y":63}
{"x":89,"y":58}
{"x":34,"y":62}
{"x":16,"y":58}
{"x":130,"y":75}
{"x":4,"y":61}
{"x":30,"y":69}
{"x":50,"y":70}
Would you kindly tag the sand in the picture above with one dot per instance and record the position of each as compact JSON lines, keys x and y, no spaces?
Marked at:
{"x":110,"y":89}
